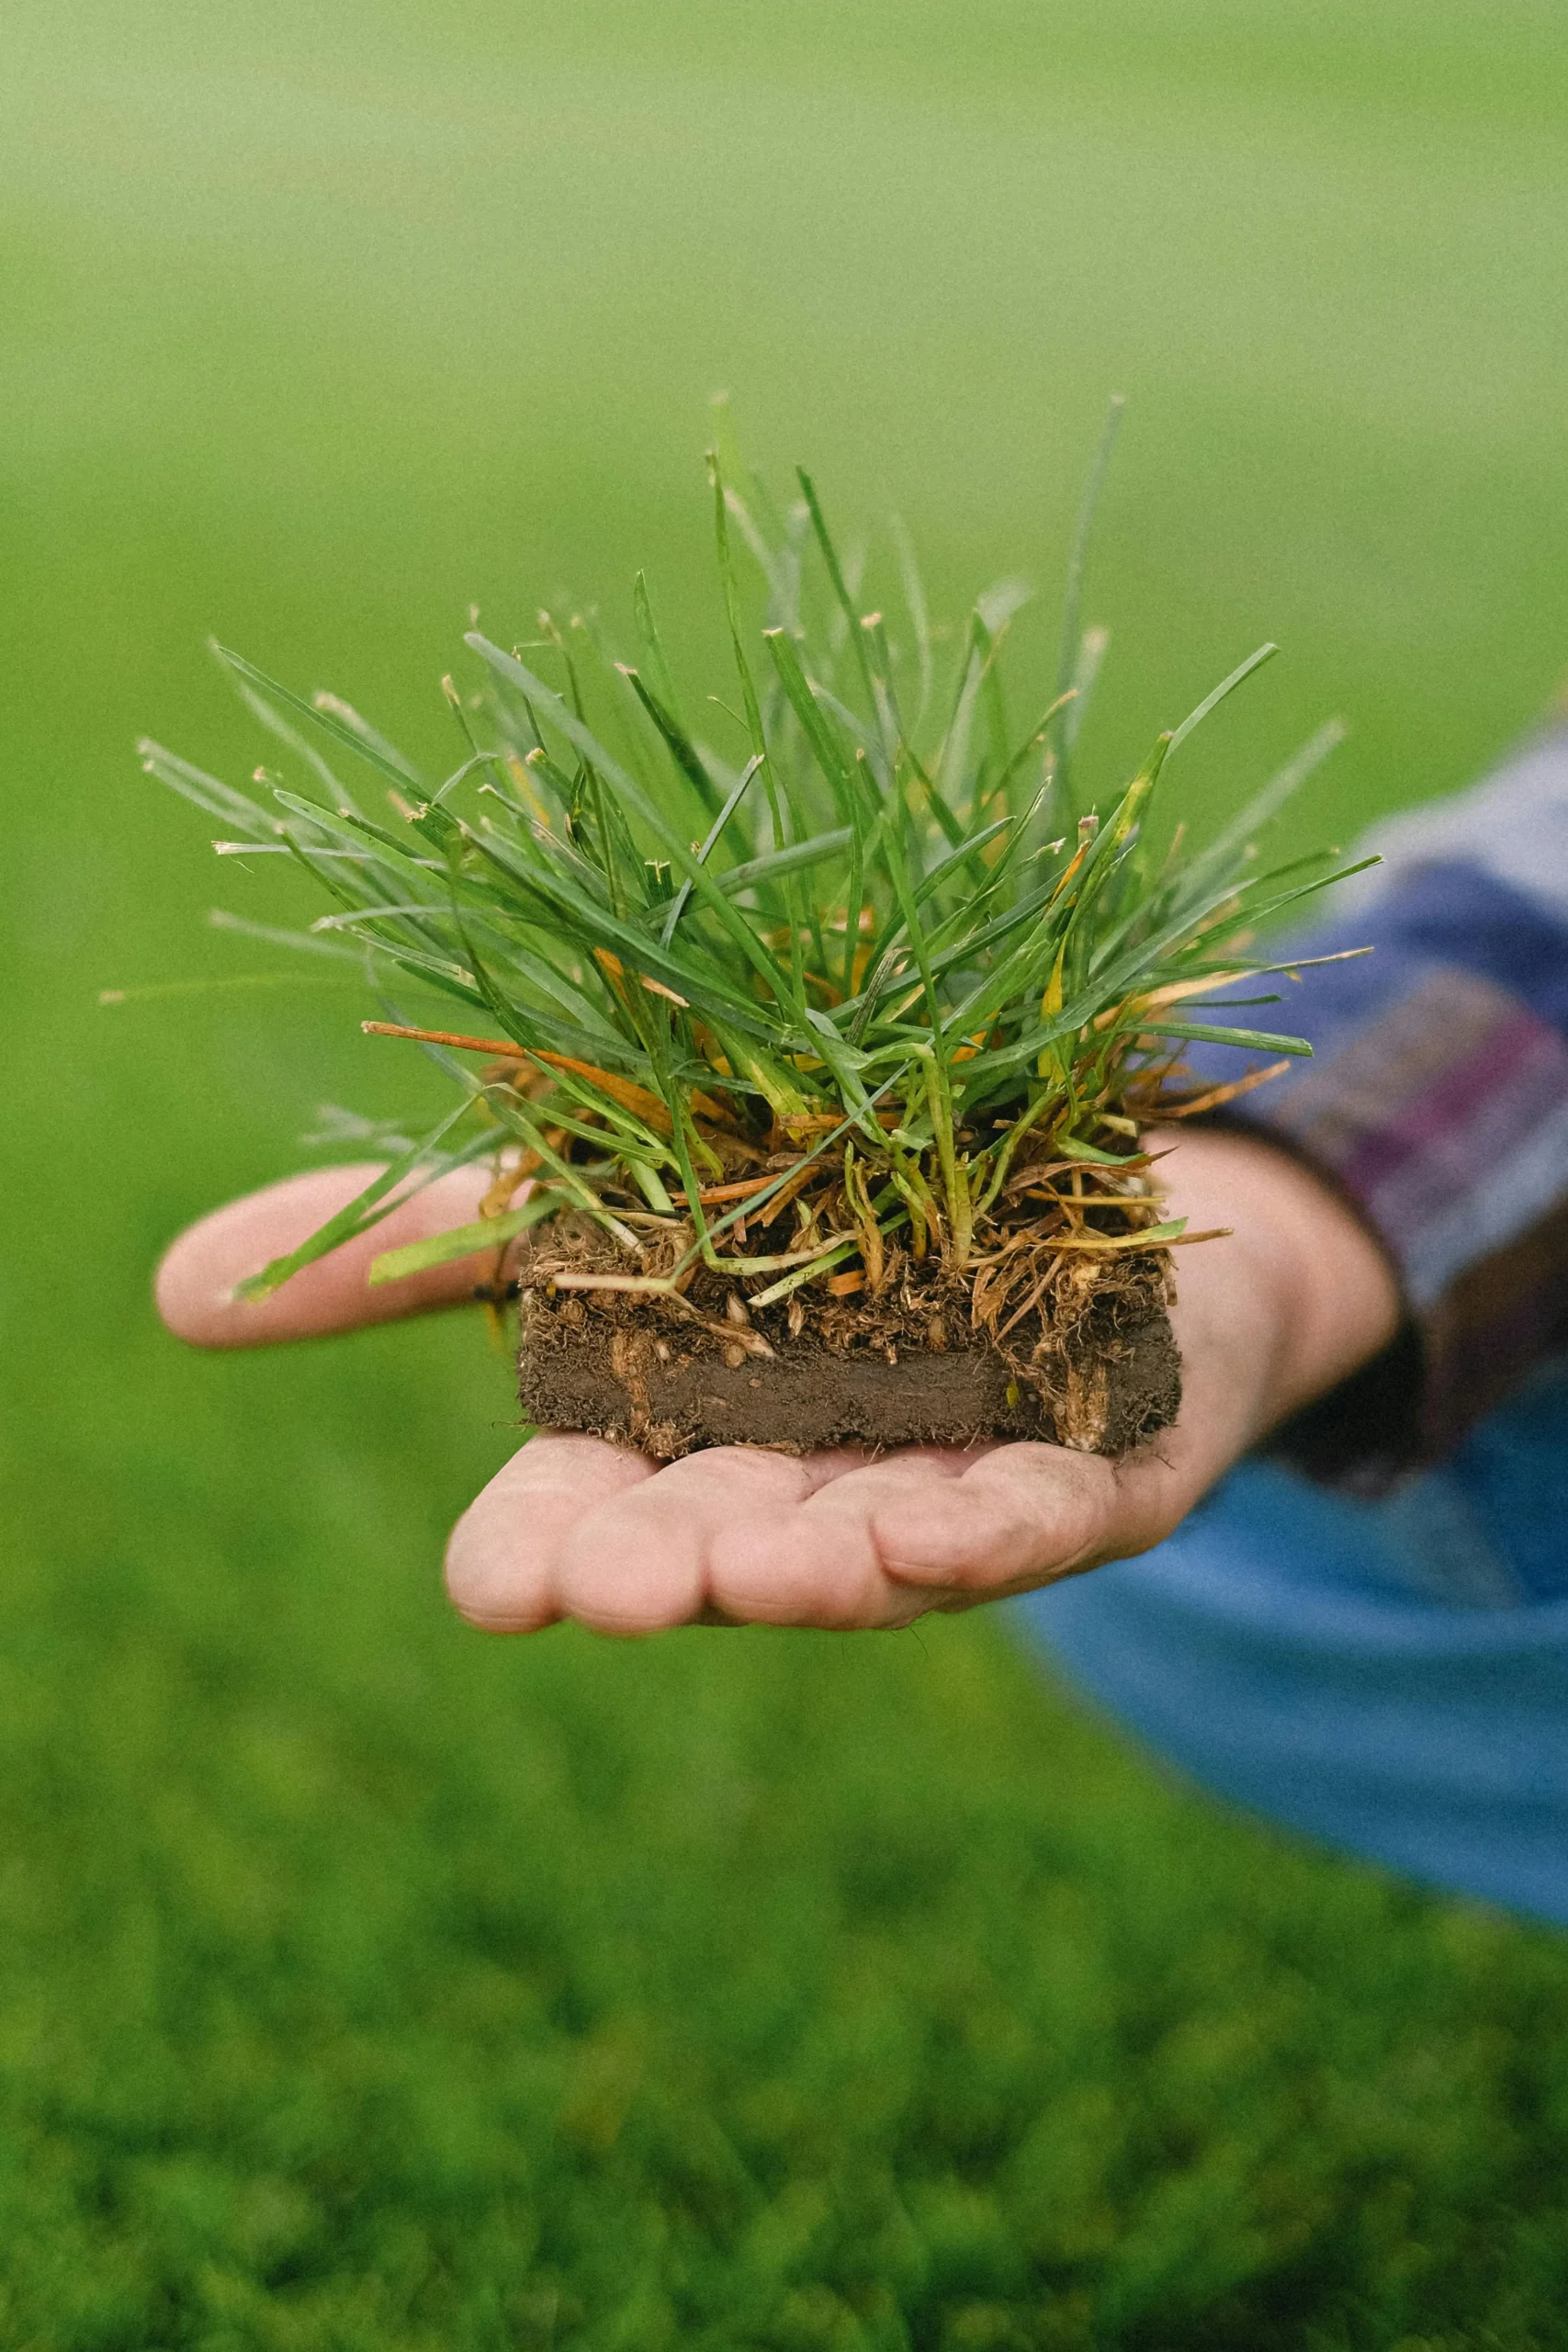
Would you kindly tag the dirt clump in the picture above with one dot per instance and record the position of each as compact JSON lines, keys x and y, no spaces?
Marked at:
{"x":1088,"y":1361}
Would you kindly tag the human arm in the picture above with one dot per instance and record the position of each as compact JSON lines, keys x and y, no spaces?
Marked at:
{"x":1413,"y":1182}
{"x":1295,"y":1299}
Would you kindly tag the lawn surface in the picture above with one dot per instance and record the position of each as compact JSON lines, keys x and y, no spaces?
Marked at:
{"x":365,"y":1985}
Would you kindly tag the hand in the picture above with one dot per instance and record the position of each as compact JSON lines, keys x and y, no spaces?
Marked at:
{"x":573,"y":1527}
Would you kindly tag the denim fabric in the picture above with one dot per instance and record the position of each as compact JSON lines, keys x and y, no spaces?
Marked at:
{"x":1389,"y":1676}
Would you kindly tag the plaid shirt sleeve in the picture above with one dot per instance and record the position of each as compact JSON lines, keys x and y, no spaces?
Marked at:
{"x":1437,"y":1102}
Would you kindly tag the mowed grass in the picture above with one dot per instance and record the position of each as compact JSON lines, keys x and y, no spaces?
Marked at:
{"x":365,"y":1985}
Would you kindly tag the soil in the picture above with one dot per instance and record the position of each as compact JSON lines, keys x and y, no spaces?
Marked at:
{"x":1095,"y":1367}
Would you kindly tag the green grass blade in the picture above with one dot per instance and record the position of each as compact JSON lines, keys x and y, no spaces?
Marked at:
{"x":1206,"y":1033}
{"x":836,"y":766}
{"x":1077,"y":565}
{"x":326,"y":720}
{"x":919,"y":617}
{"x":290,"y":738}
{"x":1243,"y":671}
{"x":737,"y":794}
{"x":465,"y":1241}
{"x":415,"y":1168}
{"x":302,"y":941}
{"x":796,"y":859}
{"x":1092,"y":647}
{"x":732,"y":604}
{"x":209,"y":793}
{"x":682,"y":749}
{"x":346,"y":712}
{"x":653,"y":646}
{"x":836,"y":577}
{"x":1264,"y":805}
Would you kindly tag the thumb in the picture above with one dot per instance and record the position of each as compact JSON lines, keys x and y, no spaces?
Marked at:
{"x":194,"y":1286}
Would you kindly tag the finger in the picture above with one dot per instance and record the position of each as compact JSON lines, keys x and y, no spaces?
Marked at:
{"x":195,"y":1285}
{"x":641,"y":1562}
{"x":503,"y":1562}
{"x":1019,"y":1515}
{"x":819,"y":1563}
{"x":917,"y":1530}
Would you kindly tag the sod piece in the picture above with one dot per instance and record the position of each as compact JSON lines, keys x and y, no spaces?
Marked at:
{"x":821,"y":1080}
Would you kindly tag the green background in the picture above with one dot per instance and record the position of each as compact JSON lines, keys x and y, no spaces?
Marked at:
{"x":363,"y":1983}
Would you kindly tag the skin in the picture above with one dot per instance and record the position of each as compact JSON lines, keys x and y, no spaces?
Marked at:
{"x":1298,"y":1296}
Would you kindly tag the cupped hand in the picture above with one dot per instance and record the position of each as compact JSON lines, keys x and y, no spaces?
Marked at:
{"x":575,"y":1526}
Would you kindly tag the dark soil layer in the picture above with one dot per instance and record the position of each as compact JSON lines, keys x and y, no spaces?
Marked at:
{"x":670,"y":1378}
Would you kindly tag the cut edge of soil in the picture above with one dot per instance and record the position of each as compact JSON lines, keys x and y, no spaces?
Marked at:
{"x":1093,"y":1366}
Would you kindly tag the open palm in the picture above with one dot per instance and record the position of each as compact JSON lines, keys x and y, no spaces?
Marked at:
{"x":575,"y":1526}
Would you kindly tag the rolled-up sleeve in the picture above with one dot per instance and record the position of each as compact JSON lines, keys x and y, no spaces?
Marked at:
{"x":1437,"y":1103}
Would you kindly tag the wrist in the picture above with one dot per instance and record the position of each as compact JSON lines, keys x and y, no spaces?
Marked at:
{"x":1301,"y":1285}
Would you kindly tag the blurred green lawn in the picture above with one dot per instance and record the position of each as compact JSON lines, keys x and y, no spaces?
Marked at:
{"x":363,"y":1985}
